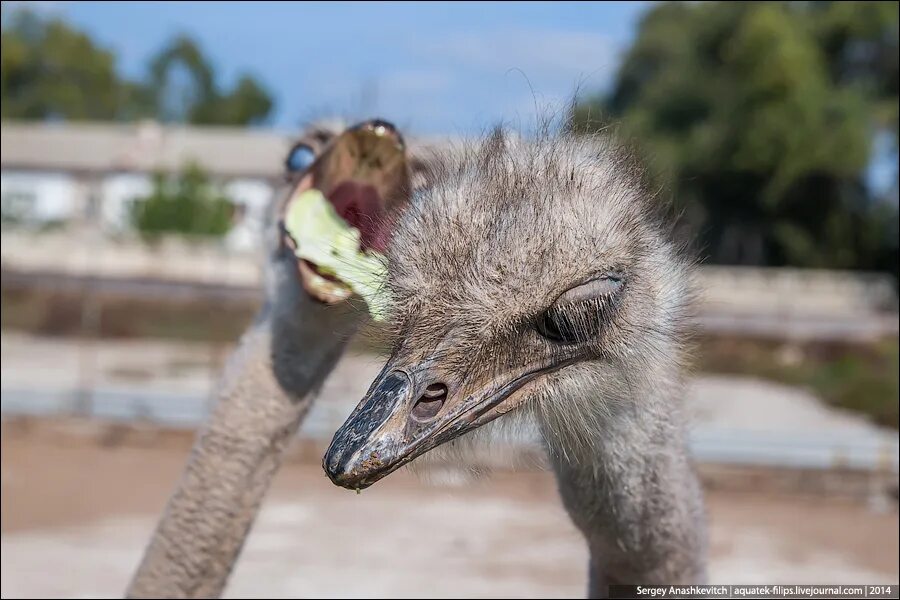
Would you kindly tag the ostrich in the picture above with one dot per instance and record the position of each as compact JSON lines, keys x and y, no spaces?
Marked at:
{"x":533,"y":276}
{"x":269,"y":382}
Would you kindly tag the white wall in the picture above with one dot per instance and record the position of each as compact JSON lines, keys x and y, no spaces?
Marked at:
{"x":117,"y":193}
{"x":253,"y":196}
{"x":38,"y":197}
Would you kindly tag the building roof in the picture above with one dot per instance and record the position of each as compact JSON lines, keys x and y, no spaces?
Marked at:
{"x":144,"y":147}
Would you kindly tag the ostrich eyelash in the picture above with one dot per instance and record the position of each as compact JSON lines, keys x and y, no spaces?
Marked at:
{"x":598,"y":288}
{"x":579,"y":313}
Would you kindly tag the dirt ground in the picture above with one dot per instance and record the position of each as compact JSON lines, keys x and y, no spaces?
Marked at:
{"x":77,"y":510}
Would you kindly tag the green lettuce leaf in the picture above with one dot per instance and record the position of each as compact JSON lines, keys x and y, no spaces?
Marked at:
{"x":326,"y":240}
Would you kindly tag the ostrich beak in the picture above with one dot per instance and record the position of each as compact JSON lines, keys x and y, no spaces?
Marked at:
{"x":411,"y":409}
{"x":363,"y":173}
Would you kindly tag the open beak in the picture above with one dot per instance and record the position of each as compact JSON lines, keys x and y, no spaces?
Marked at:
{"x":413,"y":408}
{"x":363,"y":172}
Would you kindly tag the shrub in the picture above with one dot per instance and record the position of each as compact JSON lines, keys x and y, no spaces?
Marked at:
{"x":186,"y":203}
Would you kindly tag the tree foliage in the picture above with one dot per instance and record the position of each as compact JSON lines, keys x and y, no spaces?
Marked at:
{"x":187,"y":203}
{"x":185,"y":90}
{"x":53,"y":71}
{"x":761,"y":117}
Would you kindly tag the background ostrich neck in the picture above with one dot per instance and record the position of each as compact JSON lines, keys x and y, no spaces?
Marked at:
{"x":266,"y":390}
{"x":632,"y":492}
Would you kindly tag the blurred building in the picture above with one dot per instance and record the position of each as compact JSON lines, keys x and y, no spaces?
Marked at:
{"x":90,"y":172}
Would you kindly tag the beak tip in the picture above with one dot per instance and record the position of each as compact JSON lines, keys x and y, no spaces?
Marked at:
{"x":359,"y":451}
{"x":346,"y":480}
{"x":340,"y":468}
{"x":334,"y":466}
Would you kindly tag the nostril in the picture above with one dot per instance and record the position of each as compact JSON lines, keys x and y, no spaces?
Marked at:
{"x":435,"y":390}
{"x":430,"y":403}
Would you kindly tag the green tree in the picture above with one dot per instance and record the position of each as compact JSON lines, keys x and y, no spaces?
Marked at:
{"x":860,"y":44}
{"x":187,"y":203}
{"x":50,"y":70}
{"x":186,"y":91}
{"x":760,"y":117}
{"x":53,"y":71}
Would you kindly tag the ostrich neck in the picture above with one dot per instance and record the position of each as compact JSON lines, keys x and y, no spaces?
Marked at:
{"x":266,"y":389}
{"x":632,"y":491}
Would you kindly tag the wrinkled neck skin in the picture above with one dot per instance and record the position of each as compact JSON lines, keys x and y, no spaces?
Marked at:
{"x":624,"y":475}
{"x":306,"y":336}
{"x":267,"y":387}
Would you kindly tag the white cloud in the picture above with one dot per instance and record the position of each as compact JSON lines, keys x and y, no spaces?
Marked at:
{"x":465,"y":80}
{"x":415,"y":81}
{"x":541,"y":53}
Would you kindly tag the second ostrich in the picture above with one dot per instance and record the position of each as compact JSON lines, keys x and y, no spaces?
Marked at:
{"x":533,"y":276}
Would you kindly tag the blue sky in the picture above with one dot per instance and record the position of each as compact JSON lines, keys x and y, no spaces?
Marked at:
{"x":433,"y":67}
{"x":430,"y":67}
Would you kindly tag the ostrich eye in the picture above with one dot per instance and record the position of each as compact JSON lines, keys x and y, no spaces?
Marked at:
{"x":557,"y":327}
{"x":579,"y":313}
{"x":299,"y":158}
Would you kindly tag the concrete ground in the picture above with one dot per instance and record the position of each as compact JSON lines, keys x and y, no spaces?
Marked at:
{"x":77,"y":510}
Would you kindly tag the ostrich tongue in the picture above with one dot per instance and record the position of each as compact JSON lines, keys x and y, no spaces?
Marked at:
{"x":334,"y":247}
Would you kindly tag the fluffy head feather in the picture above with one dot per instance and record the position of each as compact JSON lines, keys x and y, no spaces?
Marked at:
{"x":508,"y":225}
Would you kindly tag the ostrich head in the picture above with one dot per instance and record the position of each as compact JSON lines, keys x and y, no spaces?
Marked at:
{"x":529,"y":275}
{"x":363,"y":171}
